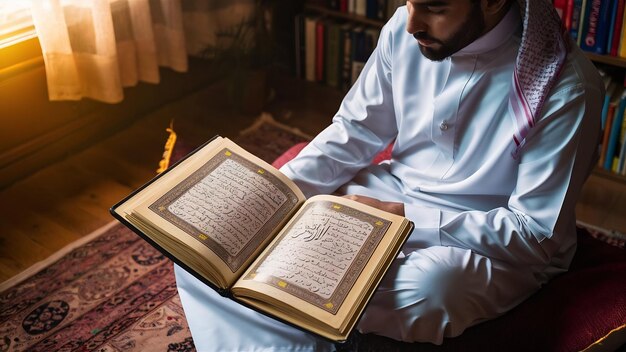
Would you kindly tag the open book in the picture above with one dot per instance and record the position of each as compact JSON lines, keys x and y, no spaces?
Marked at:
{"x":245,"y":229}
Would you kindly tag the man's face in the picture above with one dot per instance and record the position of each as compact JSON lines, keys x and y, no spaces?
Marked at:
{"x":443,"y":27}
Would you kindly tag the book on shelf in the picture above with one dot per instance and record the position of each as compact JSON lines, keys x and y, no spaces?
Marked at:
{"x":621,"y":51}
{"x":577,"y":6}
{"x":333,"y":53}
{"x":310,"y":24}
{"x":595,"y":26}
{"x":246,"y":230}
{"x":618,"y":22}
{"x":613,"y":130}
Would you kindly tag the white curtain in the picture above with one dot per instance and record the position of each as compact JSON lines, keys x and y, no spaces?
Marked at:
{"x":93,"y":48}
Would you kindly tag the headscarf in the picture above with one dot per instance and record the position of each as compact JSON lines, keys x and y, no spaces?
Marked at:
{"x":541,"y":56}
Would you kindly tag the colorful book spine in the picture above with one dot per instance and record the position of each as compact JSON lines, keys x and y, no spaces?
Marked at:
{"x":595,"y":26}
{"x":611,"y":27}
{"x":617,"y":29}
{"x":614,"y":130}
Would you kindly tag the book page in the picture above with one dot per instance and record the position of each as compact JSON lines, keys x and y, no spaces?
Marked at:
{"x":321,"y":253}
{"x":229,"y":205}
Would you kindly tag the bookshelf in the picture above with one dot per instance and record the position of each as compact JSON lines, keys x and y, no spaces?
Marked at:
{"x":617,"y":64}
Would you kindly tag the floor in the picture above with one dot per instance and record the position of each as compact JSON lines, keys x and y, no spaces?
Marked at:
{"x":63,"y":202}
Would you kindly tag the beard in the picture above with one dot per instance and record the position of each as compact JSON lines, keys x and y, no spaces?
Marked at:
{"x":471,"y":29}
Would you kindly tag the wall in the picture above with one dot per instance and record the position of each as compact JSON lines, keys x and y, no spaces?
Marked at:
{"x":35,"y":132}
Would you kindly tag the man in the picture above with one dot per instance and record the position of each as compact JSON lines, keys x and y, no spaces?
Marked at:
{"x":494,"y":119}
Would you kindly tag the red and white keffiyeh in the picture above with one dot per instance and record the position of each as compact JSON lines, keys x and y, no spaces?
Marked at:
{"x":541,"y":56}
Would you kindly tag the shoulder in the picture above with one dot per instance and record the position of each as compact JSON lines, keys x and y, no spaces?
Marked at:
{"x":578,"y":74}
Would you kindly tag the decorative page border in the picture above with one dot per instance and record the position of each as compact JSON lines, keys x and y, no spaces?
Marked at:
{"x":160,"y":207}
{"x":332,"y":305}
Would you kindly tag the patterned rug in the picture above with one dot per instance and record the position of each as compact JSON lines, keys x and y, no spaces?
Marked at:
{"x":112,"y":291}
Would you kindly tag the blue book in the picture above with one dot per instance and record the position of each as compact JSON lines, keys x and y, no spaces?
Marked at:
{"x":612,"y":20}
{"x":595,"y":26}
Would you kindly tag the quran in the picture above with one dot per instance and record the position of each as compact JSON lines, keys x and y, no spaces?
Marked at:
{"x":246,"y":230}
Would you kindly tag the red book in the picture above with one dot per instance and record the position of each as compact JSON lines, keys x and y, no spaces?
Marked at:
{"x":561,"y":8}
{"x":569,"y":12}
{"x":343,"y":6}
{"x":617,"y":30}
{"x":319,"y":50}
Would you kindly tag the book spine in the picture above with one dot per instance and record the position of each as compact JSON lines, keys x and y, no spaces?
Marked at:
{"x":612,"y":13}
{"x":576,"y":20}
{"x":569,"y":10}
{"x":360,"y":7}
{"x":343,"y":6}
{"x":614,"y":130}
{"x":346,"y":43}
{"x":581,"y":21}
{"x":561,"y":8}
{"x":320,"y":43}
{"x":299,"y":45}
{"x":607,"y":10}
{"x":622,"y":42}
{"x":617,"y":30}
{"x":594,"y":26}
{"x":332,"y":54}
{"x":371,"y":9}
{"x":621,"y":166}
{"x":358,"y":54}
{"x":605,"y":135}
{"x":310,"y":23}
{"x":622,"y":149}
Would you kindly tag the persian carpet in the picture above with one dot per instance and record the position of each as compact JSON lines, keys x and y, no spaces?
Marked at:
{"x":112,"y":291}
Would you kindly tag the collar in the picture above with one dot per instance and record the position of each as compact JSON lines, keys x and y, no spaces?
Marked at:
{"x":496,"y":37}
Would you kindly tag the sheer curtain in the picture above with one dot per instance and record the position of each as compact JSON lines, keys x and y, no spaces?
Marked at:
{"x":93,"y":48}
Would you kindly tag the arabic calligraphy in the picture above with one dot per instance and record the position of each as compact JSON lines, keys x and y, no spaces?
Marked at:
{"x":229,"y":205}
{"x":317,"y":251}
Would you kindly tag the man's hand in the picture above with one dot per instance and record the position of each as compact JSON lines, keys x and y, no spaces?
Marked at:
{"x":392,"y":207}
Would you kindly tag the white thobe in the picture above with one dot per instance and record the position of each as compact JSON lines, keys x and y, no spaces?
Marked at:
{"x":490,"y":228}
